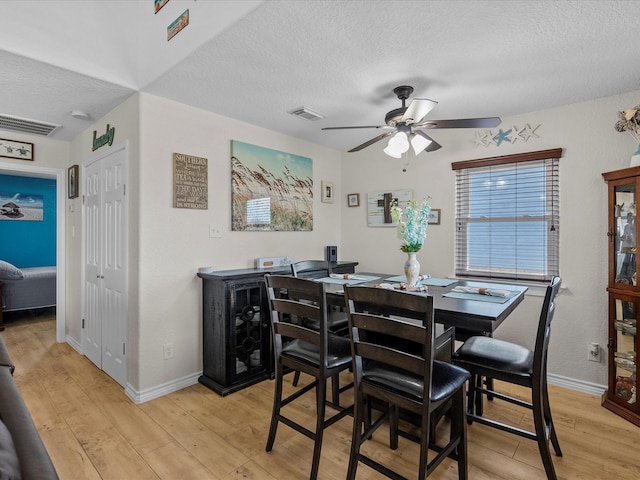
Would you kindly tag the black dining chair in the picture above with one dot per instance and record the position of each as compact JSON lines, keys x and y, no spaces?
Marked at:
{"x":487,"y":357}
{"x":336,"y":317}
{"x":392,"y":343}
{"x":316,"y":352}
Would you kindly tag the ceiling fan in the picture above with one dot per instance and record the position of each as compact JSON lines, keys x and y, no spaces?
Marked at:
{"x":406,"y":125}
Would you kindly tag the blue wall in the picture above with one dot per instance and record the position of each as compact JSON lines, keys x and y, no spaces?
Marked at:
{"x":26,"y":243}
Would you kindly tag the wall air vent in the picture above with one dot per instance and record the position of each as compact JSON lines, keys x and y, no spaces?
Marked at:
{"x":24,"y":125}
{"x":307,"y":113}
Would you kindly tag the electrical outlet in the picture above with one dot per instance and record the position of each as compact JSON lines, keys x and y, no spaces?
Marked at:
{"x":168,"y":350}
{"x":594,"y":352}
{"x":214,"y":231}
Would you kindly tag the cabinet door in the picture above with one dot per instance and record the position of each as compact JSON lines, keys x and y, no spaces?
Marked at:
{"x":624,"y":352}
{"x":622,"y":231}
{"x":249,"y":341}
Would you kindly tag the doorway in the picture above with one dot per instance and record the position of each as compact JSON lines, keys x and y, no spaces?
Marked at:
{"x":59,"y":175}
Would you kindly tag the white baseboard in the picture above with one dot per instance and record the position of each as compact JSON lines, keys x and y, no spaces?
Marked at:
{"x":74,"y":344}
{"x":160,"y":390}
{"x":574,"y":384}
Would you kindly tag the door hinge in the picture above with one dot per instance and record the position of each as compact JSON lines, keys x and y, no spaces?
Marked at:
{"x":83,"y":199}
{"x":123,"y":349}
{"x":124,"y":189}
{"x":83,"y":323}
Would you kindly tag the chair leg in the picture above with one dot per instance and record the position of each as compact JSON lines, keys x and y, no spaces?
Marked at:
{"x":459,"y":427}
{"x":393,"y":426}
{"x":478,"y":395}
{"x":296,"y":378}
{"x":275,"y":414}
{"x":335,"y":390}
{"x":356,"y":435}
{"x":321,"y":397}
{"x":544,"y":424}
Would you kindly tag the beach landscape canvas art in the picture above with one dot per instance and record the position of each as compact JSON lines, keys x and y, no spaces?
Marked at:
{"x":270,"y":190}
{"x":21,"y":206}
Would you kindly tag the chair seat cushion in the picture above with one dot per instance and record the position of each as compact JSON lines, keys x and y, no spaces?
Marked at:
{"x":445,"y":379}
{"x":492,"y":354}
{"x":339,"y":351}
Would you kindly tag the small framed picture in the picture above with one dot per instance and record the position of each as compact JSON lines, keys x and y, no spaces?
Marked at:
{"x":353,"y":199}
{"x":433,"y":218}
{"x":15,"y":149}
{"x":73,"y":175}
{"x":327,"y":192}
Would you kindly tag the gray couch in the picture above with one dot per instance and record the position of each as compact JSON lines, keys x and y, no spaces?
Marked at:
{"x":22,"y":453}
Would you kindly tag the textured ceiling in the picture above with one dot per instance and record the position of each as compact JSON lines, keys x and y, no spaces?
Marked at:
{"x":255,"y":61}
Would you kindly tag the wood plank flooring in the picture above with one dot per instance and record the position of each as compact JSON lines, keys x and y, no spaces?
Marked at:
{"x":93,"y":431}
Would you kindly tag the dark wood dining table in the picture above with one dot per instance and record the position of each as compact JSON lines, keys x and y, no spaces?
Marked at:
{"x":470,"y":317}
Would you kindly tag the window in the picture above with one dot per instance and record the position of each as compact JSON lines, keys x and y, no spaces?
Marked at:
{"x":507,"y":216}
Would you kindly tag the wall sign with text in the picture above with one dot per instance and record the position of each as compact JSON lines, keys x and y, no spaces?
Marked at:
{"x":190,"y":182}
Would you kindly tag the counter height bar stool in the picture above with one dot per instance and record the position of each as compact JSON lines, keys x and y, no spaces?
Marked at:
{"x":512,"y":363}
{"x":316,"y":352}
{"x":380,"y":322}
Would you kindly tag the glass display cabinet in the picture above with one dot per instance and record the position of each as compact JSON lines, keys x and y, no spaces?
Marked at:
{"x":624,"y":293}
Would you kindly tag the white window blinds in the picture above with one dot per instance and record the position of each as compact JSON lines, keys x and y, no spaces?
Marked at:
{"x":507,"y":216}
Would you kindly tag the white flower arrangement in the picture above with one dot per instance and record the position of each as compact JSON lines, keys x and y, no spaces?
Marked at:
{"x":411,"y":224}
{"x":629,"y":121}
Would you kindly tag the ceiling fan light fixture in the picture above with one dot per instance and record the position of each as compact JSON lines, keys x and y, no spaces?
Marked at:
{"x":392,"y":153}
{"x":419,"y":143}
{"x":399,"y":143}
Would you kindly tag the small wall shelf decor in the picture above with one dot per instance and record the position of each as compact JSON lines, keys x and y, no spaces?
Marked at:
{"x":353,"y":200}
{"x":16,"y":149}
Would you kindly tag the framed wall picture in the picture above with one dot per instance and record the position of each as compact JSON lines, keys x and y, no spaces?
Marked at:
{"x":434,"y":217}
{"x":353,"y":200}
{"x":73,"y":177}
{"x":15,"y":149}
{"x":327,"y":191}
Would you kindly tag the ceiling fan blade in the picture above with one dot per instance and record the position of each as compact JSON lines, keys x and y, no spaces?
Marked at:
{"x":372,"y":141}
{"x":432,"y":146}
{"x":485,"y":122}
{"x":417,"y":110}
{"x":362,"y":126}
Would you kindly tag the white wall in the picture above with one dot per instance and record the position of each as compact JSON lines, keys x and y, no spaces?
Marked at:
{"x":175,"y":242}
{"x":591,"y":146}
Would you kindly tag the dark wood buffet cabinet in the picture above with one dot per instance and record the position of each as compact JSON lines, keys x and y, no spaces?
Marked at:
{"x":236,"y":340}
{"x":624,"y":293}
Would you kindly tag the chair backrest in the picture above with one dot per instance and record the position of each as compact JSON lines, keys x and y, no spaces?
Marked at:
{"x":393,"y":328}
{"x":292,"y":301}
{"x":321,"y":267}
{"x":544,"y":329}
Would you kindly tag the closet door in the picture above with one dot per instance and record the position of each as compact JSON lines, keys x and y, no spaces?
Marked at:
{"x":105,"y":228}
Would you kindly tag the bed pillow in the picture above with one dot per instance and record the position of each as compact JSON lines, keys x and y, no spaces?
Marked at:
{"x":9,"y":272}
{"x":9,"y":463}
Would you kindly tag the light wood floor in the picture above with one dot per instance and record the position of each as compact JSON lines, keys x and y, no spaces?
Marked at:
{"x":92,"y":430}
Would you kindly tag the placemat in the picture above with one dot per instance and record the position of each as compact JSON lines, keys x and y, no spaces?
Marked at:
{"x":344,"y":281}
{"x":480,"y":298}
{"x":433,"y":282}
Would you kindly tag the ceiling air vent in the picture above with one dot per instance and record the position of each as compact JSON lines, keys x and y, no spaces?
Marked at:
{"x":307,"y":113}
{"x":25,"y":125}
